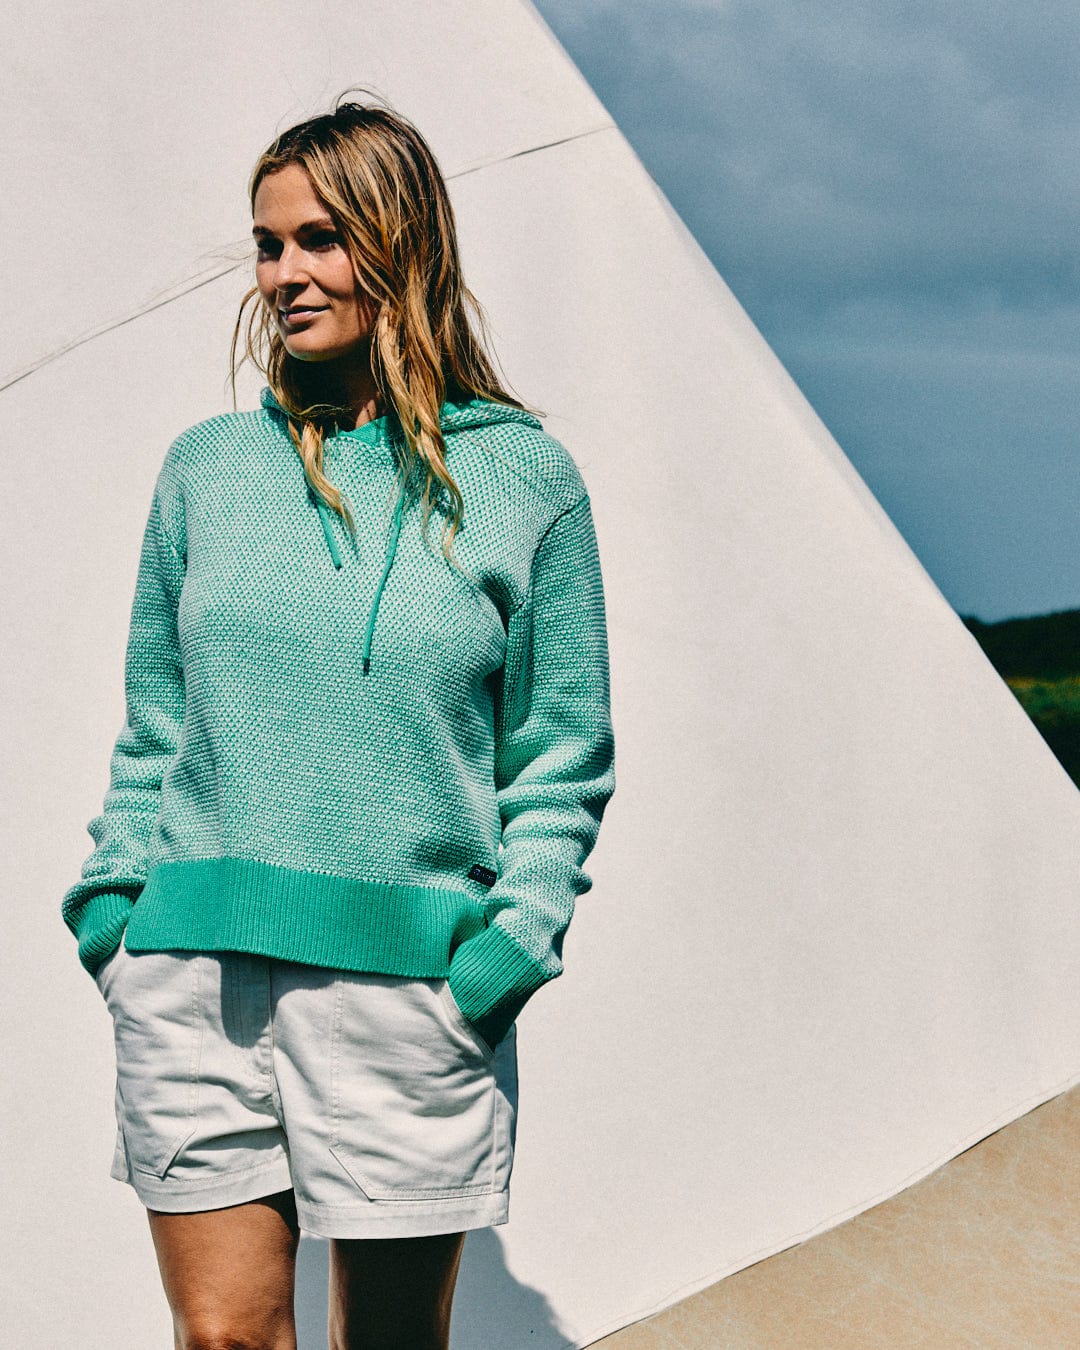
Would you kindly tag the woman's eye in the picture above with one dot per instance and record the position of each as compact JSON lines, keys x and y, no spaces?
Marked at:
{"x":317,"y":243}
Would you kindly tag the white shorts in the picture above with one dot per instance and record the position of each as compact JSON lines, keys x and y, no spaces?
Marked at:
{"x":371,"y":1096}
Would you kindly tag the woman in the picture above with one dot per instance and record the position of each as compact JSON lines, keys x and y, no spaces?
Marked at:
{"x":359,"y":776}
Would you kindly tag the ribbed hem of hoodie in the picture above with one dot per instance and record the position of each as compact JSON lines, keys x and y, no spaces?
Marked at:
{"x":100,"y":927}
{"x":235,"y":904}
{"x":492,"y":979}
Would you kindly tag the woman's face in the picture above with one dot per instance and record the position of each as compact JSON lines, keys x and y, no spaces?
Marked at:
{"x":303,"y":271}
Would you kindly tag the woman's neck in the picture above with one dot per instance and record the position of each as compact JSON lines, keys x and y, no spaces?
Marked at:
{"x":366,"y":410}
{"x":347,"y":383}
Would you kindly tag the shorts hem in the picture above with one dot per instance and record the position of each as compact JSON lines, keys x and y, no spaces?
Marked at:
{"x":252,"y":1184}
{"x":403,"y":1218}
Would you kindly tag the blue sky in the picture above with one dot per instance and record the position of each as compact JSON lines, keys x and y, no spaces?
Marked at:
{"x":891,"y":190}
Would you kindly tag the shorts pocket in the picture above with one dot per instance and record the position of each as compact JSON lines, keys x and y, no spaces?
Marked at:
{"x":157,"y":1032}
{"x":461,"y":1022}
{"x":413,"y":1095}
{"x":103,"y":976}
{"x":119,"y":1168}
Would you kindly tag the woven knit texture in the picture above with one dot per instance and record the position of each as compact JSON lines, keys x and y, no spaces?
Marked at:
{"x":267,"y":795}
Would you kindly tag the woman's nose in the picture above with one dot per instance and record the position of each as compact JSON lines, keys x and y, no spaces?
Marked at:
{"x":290,"y":267}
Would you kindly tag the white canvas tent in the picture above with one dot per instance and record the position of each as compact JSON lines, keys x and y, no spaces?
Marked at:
{"x":833,"y":936}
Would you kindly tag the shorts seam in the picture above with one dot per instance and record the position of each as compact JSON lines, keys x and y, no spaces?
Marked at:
{"x":217,"y":1182}
{"x":350,"y":1222}
{"x":470,"y":1202}
{"x":198,"y":1029}
{"x":335,"y":1045}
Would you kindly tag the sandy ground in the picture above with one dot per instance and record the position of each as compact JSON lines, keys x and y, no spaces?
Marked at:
{"x":984,"y":1252}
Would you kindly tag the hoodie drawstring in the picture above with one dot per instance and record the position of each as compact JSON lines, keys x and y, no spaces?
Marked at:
{"x":455,"y":416}
{"x":324,"y":520}
{"x":335,"y":555}
{"x":391,"y":549}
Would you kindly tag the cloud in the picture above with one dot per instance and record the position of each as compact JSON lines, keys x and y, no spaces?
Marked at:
{"x":891,"y":191}
{"x":821,"y":154}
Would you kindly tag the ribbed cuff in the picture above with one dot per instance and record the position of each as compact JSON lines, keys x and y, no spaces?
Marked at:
{"x":492,"y":979}
{"x":101,"y":926}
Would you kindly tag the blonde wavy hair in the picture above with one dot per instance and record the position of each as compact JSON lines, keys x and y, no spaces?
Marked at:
{"x":381,"y":184}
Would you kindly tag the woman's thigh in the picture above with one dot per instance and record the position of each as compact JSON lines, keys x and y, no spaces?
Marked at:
{"x":393,"y":1293}
{"x":229,"y":1274}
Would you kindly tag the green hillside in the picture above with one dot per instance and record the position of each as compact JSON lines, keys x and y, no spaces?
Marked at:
{"x":1039,"y":659}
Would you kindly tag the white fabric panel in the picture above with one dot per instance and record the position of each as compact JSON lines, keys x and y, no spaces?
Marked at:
{"x":130,"y":130}
{"x":832,"y":939}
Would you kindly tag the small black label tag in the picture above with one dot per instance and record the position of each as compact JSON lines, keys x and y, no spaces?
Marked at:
{"x":484,"y":874}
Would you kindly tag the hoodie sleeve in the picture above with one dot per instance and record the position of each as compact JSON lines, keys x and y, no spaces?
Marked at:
{"x":554,"y":774}
{"x":96,"y":909}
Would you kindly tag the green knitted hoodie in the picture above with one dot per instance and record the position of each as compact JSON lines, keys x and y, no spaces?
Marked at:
{"x":340,"y":750}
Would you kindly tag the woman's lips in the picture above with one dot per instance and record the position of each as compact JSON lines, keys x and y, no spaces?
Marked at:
{"x":293,"y":317}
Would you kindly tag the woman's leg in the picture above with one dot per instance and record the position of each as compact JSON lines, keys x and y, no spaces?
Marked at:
{"x":393,"y":1293}
{"x":229,"y":1274}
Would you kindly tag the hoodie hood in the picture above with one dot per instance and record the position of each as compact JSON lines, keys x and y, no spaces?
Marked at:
{"x":453,"y":417}
{"x":385,"y":431}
